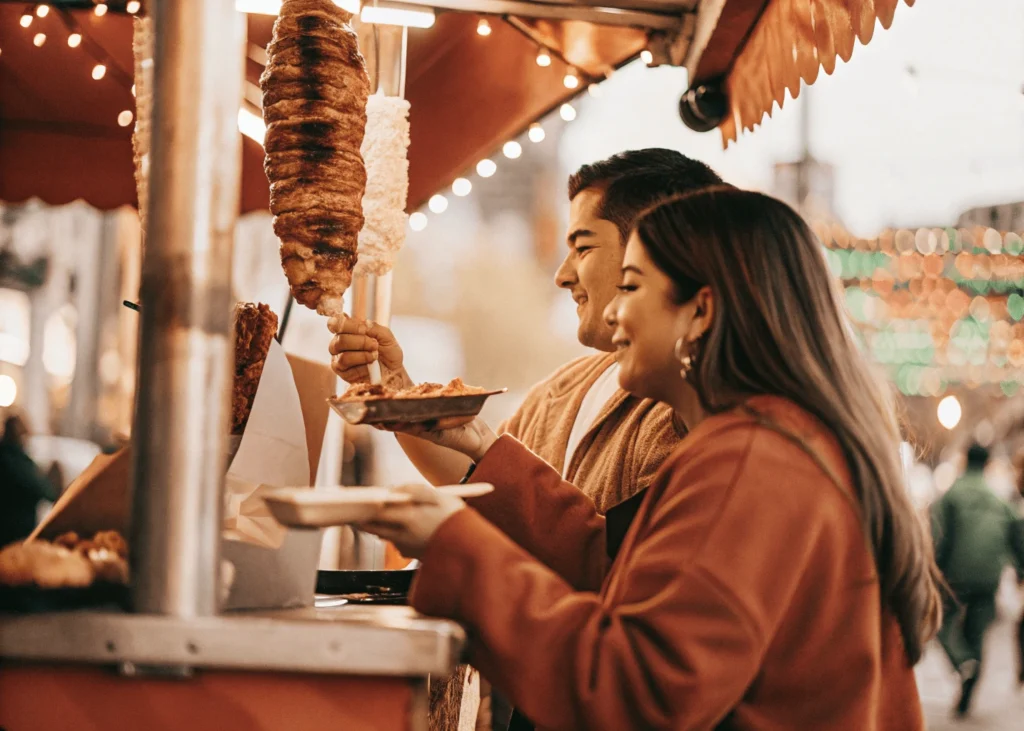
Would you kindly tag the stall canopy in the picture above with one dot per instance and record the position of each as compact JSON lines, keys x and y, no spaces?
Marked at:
{"x":65,"y":123}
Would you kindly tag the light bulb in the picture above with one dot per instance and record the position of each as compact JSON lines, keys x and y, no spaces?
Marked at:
{"x":567,"y":112}
{"x":647,"y":57}
{"x":536,"y":133}
{"x":100,"y":10}
{"x":949,"y":412}
{"x":418,"y":221}
{"x":133,"y":89}
{"x":512,"y":149}
{"x":8,"y":391}
{"x":39,"y":39}
{"x":461,"y":187}
{"x":42,"y":10}
{"x":483,"y":28}
{"x":26,"y":20}
{"x":99,"y":71}
{"x":74,"y":40}
{"x":133,"y":6}
{"x":486,"y":168}
{"x":571,"y":80}
{"x":438,"y":204}
{"x":125,"y":118}
{"x":543,"y":58}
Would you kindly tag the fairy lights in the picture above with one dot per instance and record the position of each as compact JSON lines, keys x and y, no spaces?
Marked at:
{"x":99,"y":71}
{"x":483,"y":28}
{"x":74,"y":40}
{"x":100,"y":10}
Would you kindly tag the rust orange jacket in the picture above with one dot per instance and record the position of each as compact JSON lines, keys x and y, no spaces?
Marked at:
{"x":744,"y":595}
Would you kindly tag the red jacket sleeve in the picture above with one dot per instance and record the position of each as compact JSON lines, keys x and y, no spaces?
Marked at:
{"x":549,"y":518}
{"x":694,"y":601}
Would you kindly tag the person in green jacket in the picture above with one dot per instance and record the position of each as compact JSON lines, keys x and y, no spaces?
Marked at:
{"x":974,"y":533}
{"x":22,"y":484}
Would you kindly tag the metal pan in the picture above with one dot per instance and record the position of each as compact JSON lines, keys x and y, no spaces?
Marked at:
{"x":410,"y":410}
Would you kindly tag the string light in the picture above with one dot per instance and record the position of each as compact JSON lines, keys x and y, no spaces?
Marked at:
{"x":418,"y":221}
{"x":26,"y":20}
{"x":125,"y":118}
{"x":133,"y":89}
{"x":461,"y":187}
{"x":647,"y":57}
{"x":486,"y":168}
{"x":42,"y":10}
{"x":571,"y":79}
{"x":133,"y":6}
{"x":543,"y":57}
{"x":512,"y":149}
{"x":483,"y":28}
{"x":39,"y":39}
{"x":949,"y":412}
{"x":99,"y":71}
{"x":74,"y":40}
{"x":100,"y":10}
{"x":567,"y":112}
{"x":536,"y":133}
{"x":594,"y":90}
{"x":438,"y":204}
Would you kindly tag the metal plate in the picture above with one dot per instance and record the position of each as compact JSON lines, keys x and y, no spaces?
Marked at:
{"x":410,"y":410}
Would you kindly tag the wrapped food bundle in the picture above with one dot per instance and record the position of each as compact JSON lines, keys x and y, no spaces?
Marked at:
{"x":385,"y":148}
{"x":255,"y":330}
{"x":142,"y":50}
{"x":315,"y":90}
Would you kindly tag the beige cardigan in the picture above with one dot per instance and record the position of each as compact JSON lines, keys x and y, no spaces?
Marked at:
{"x":620,"y":454}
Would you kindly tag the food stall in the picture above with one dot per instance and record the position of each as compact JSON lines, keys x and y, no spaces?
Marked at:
{"x":472,"y":80}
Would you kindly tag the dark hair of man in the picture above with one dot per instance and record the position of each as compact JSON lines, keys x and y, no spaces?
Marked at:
{"x":635,"y":180}
{"x":977,"y":457}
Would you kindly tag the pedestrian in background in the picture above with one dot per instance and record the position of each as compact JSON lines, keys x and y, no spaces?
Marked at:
{"x":22,"y":484}
{"x":975,"y":536}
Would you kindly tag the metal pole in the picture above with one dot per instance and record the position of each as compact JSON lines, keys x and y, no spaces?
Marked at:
{"x":385,"y":49}
{"x":185,"y":349}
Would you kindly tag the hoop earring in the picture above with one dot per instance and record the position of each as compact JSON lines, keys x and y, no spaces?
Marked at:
{"x":684,"y":358}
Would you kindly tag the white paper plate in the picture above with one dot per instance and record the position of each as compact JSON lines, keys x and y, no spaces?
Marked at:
{"x":301,"y":507}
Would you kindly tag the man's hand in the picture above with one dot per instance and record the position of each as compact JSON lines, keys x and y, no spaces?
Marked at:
{"x":357,"y":343}
{"x":410,"y":526}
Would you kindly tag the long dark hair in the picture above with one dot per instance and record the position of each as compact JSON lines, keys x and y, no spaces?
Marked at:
{"x":780,"y":329}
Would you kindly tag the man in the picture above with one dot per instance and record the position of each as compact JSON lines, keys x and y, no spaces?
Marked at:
{"x":605,"y":441}
{"x":973,"y":531}
{"x":22,"y":485}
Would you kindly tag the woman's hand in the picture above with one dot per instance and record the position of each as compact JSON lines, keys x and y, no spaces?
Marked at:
{"x":467,"y":434}
{"x":410,"y":526}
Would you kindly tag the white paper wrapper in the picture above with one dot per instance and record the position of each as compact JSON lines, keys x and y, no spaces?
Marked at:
{"x":272,"y":452}
{"x":384,"y":151}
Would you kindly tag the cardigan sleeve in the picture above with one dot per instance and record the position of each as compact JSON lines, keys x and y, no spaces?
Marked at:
{"x":690,"y":611}
{"x":549,"y":518}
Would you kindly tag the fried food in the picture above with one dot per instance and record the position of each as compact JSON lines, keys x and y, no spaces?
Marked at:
{"x":45,"y":565}
{"x":315,"y":90}
{"x":68,"y":562}
{"x":255,"y":330}
{"x":368,"y":392}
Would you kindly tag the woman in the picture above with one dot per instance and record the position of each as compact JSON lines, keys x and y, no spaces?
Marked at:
{"x":776,"y":576}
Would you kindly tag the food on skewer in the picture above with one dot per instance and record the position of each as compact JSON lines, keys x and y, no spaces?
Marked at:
{"x":385,"y":149}
{"x":255,"y":329}
{"x":315,"y":89}
{"x":376,"y":392}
